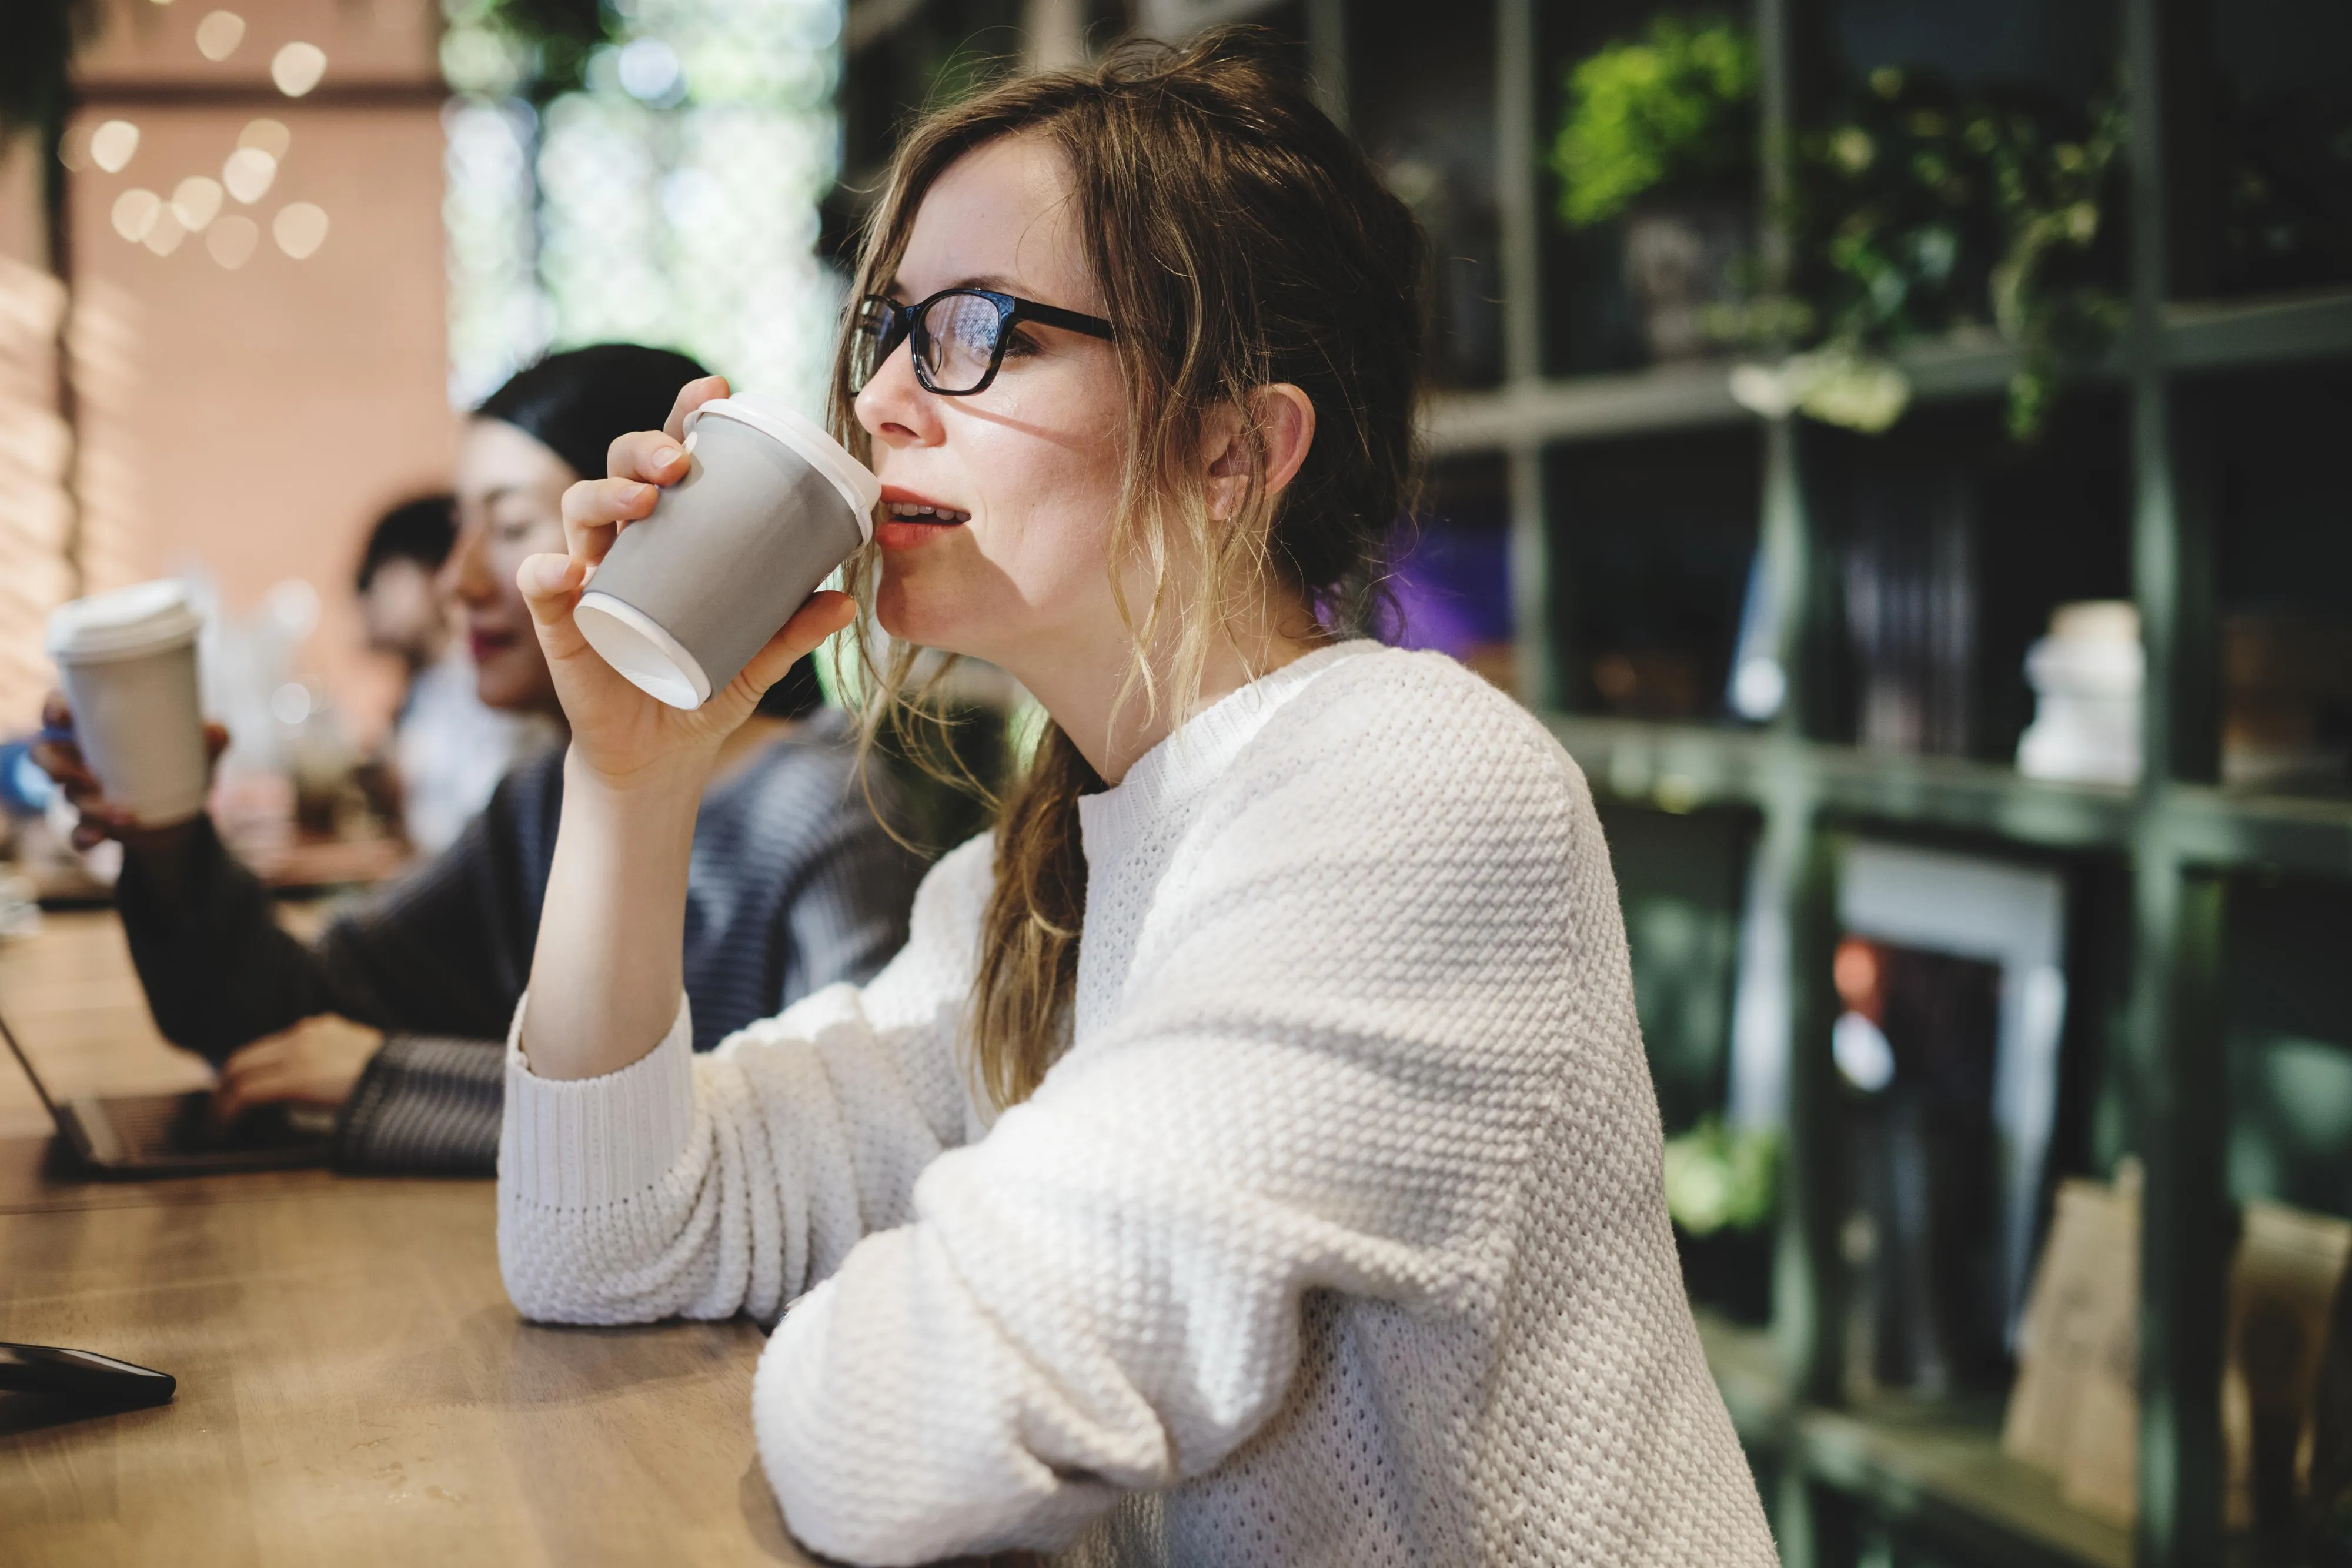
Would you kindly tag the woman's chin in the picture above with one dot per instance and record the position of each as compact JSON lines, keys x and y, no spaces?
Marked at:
{"x":910,"y":614}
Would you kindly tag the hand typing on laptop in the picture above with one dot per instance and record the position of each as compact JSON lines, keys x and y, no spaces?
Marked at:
{"x":316,"y":1062}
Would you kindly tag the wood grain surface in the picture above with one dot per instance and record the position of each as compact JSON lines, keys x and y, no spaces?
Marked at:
{"x":75,"y":1005}
{"x":354,"y":1387}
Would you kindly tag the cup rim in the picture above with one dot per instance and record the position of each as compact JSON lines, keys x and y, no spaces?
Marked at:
{"x":123,"y":622}
{"x":808,"y":441}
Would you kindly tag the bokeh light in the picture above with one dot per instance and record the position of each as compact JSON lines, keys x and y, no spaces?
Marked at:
{"x":164,"y":231}
{"x":248,"y":173}
{"x":297,"y":68}
{"x":195,"y":201}
{"x":300,"y":228}
{"x":135,"y":211}
{"x":265,"y":135}
{"x":233,"y":240}
{"x":112,"y":144}
{"x":219,"y":34}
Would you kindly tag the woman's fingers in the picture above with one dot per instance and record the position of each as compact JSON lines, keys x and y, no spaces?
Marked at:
{"x":596,"y":510}
{"x":250,"y":1077}
{"x":825,"y":614}
{"x":691,"y":396}
{"x":655,"y":456}
{"x":62,"y":760}
{"x":551,"y":586}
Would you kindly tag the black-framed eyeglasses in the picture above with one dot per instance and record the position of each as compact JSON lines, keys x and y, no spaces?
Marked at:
{"x":960,"y":336}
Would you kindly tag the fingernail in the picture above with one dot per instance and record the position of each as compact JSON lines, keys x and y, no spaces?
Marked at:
{"x":667,"y":456}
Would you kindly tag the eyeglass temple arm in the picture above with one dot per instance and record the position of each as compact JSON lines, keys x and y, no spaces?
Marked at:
{"x":1055,"y":316}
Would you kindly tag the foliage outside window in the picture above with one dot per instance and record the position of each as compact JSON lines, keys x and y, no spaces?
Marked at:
{"x":1920,"y":211}
{"x":642,"y":170}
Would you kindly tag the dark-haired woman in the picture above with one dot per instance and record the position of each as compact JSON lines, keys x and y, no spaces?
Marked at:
{"x":1251,"y":1157}
{"x":393,"y":1016}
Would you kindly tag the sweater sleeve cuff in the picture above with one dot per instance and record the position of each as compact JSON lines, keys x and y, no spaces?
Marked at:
{"x":589,"y":1141}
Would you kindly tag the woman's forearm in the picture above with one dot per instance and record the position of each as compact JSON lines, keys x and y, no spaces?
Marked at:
{"x":606,"y":975}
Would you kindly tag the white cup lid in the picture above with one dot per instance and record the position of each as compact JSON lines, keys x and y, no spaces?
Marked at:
{"x":779,"y":422}
{"x":142,"y":619}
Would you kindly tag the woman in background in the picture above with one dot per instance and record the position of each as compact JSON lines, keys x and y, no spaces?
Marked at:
{"x":448,"y":748}
{"x":1251,"y":1157}
{"x":393,"y":1014}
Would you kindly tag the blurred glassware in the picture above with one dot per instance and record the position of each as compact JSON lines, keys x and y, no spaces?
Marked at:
{"x":2287,"y":701}
{"x":2087,"y":677}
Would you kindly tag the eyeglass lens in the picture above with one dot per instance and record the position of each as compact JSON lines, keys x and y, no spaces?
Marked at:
{"x":961,"y":331}
{"x":957,"y":341}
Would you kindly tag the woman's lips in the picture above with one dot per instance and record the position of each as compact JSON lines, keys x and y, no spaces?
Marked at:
{"x":895,"y":534}
{"x":484,"y":644}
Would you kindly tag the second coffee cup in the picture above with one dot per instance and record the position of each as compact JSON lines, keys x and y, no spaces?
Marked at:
{"x":128,"y":661}
{"x":770,"y":507}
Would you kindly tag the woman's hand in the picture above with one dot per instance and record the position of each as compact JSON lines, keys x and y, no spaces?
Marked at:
{"x":60,"y":756}
{"x":317,"y":1062}
{"x":619,"y":735}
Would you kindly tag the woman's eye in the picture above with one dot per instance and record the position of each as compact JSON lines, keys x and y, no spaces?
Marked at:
{"x":1018,"y":346}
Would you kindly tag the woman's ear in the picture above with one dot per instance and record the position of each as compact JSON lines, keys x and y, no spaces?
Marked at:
{"x":1285,"y":428}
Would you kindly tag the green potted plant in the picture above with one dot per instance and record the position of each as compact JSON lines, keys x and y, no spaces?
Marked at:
{"x":1659,"y":135}
{"x":1923,"y":212}
{"x":1720,"y":1193}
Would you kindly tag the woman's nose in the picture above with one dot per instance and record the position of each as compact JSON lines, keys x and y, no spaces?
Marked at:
{"x":463,"y":577}
{"x":894,"y":407}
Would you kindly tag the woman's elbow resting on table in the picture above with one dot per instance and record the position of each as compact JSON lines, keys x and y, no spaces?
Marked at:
{"x":611,"y":1208}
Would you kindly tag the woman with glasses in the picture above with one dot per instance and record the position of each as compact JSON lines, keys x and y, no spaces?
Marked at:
{"x":1250,"y":1158}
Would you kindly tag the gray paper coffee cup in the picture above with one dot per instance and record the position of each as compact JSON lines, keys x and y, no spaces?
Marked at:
{"x":770,"y":506}
{"x":128,"y":660}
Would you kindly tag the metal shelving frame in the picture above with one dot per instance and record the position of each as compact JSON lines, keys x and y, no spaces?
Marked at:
{"x":2180,"y":835}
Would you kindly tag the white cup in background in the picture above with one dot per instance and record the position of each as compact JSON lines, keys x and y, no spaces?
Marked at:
{"x":770,"y":506}
{"x":128,"y":663}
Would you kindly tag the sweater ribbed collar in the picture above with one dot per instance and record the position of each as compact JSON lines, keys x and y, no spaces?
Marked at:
{"x":1195,"y":754}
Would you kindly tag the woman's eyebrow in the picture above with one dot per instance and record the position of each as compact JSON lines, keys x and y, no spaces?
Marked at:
{"x":997,"y":281}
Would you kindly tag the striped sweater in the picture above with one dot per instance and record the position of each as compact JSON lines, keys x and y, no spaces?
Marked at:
{"x":794,"y":886}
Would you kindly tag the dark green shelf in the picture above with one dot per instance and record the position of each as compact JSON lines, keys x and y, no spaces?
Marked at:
{"x":2194,"y":336}
{"x":1937,"y":1468}
{"x":1681,"y":768}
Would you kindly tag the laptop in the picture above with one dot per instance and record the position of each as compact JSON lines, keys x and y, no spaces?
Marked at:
{"x":138,"y":1136}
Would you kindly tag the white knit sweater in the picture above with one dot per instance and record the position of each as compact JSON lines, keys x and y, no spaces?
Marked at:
{"x":1338,"y":1236}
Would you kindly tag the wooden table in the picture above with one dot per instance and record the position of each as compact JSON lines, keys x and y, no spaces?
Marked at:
{"x":354,"y":1386}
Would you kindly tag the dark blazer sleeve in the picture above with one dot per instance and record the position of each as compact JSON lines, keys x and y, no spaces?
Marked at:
{"x":443,"y":952}
{"x":426,"y":1106}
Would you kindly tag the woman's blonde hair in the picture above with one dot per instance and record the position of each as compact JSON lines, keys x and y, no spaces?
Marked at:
{"x":1239,"y":239}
